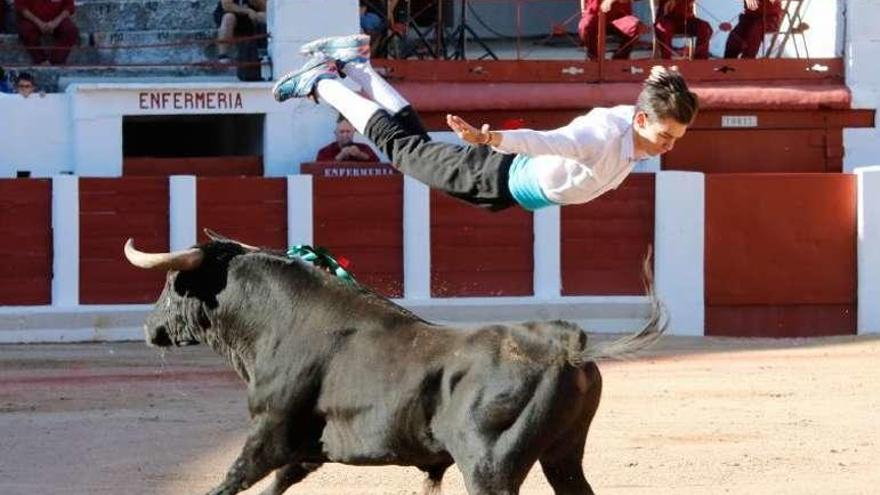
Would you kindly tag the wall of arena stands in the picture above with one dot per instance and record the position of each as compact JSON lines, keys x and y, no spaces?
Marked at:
{"x":61,"y":243}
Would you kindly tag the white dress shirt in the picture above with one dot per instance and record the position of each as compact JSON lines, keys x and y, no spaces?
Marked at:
{"x":582,"y":160}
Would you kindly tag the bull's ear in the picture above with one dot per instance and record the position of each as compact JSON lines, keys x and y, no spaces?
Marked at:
{"x":214,"y":236}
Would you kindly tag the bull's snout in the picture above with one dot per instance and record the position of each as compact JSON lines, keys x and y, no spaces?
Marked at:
{"x":157,"y":336}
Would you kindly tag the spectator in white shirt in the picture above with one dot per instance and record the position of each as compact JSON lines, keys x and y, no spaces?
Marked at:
{"x":533,"y":169}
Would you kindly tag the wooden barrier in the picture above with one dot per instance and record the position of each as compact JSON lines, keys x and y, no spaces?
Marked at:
{"x":605,"y":241}
{"x":361,"y":219}
{"x":252,"y":210}
{"x":478,"y":253}
{"x":25,"y":241}
{"x":780,"y":254}
{"x":112,"y":210}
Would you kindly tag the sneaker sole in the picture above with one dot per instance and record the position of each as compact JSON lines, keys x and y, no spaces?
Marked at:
{"x":276,"y":88}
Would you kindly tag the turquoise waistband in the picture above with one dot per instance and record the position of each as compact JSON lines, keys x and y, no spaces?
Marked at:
{"x":523,"y":185}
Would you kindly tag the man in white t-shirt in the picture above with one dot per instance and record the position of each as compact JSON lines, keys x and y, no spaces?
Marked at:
{"x":533,"y":169}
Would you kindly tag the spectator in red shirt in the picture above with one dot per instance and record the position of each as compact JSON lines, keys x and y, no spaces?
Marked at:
{"x":37,"y":18}
{"x":678,"y":17}
{"x":619,"y":19}
{"x":344,"y":149}
{"x":758,"y":18}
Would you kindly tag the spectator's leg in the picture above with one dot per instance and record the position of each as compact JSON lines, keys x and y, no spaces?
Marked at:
{"x":736,"y":39}
{"x":663,"y":31}
{"x":588,"y":31}
{"x":225,"y":33}
{"x":30,"y":37}
{"x":703,"y":31}
{"x":373,"y":25}
{"x":753,"y":37}
{"x":66,"y":36}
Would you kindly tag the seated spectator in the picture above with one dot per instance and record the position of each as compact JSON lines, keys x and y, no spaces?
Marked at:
{"x":344,"y":149}
{"x":758,"y":18}
{"x":237,"y":18}
{"x":37,"y":18}
{"x":679,"y":17}
{"x":373,"y":22}
{"x":619,"y":20}
{"x":7,"y":83}
{"x":25,"y":85}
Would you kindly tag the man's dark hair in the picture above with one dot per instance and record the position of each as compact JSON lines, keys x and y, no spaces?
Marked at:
{"x":340,"y":118}
{"x":666,"y":95}
{"x":25,"y":76}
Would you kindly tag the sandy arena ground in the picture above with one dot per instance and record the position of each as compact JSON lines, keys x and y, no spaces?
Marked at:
{"x":695,"y":416}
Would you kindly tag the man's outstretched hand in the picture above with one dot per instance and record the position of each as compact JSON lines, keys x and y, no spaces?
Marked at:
{"x":468,"y":132}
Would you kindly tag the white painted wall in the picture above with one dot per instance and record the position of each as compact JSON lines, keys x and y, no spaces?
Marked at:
{"x":295,"y":22}
{"x":35,"y":136}
{"x":863,"y":77}
{"x":868,"y":250}
{"x":679,"y":240}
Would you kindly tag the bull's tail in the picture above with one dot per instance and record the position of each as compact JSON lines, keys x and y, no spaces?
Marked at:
{"x":629,"y":346}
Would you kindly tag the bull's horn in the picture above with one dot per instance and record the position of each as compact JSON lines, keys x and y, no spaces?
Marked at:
{"x":188,"y":259}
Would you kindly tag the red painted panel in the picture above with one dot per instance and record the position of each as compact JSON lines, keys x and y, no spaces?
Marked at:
{"x":781,"y":321}
{"x":200,"y":166}
{"x":25,"y":241}
{"x":478,"y":253}
{"x":782,"y":240}
{"x":111,"y":211}
{"x":252,"y":210}
{"x":754,"y":150}
{"x":604,"y":242}
{"x":361,"y":219}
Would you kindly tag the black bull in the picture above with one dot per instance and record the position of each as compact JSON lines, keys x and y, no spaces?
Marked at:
{"x":336,"y":373}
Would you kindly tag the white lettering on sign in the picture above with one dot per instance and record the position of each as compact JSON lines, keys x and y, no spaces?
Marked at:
{"x":739,"y":121}
{"x":189,"y":100}
{"x":357,"y":172}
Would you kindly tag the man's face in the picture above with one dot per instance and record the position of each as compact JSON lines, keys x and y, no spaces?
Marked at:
{"x":25,"y":88}
{"x":344,"y":134}
{"x":657,"y":136}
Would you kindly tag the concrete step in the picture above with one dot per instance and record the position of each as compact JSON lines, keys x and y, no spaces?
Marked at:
{"x":52,"y":79}
{"x":127,"y":47}
{"x":137,"y":15}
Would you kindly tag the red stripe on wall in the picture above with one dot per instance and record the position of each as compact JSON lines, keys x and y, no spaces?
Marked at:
{"x":478,"y":253}
{"x":25,"y":241}
{"x":111,"y":211}
{"x":361,"y":219}
{"x":198,"y":166}
{"x":605,"y":241}
{"x":755,"y":150}
{"x":781,"y":254}
{"x":252,"y":210}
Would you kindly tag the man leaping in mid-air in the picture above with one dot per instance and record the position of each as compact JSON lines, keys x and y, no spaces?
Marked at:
{"x":533,"y":169}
